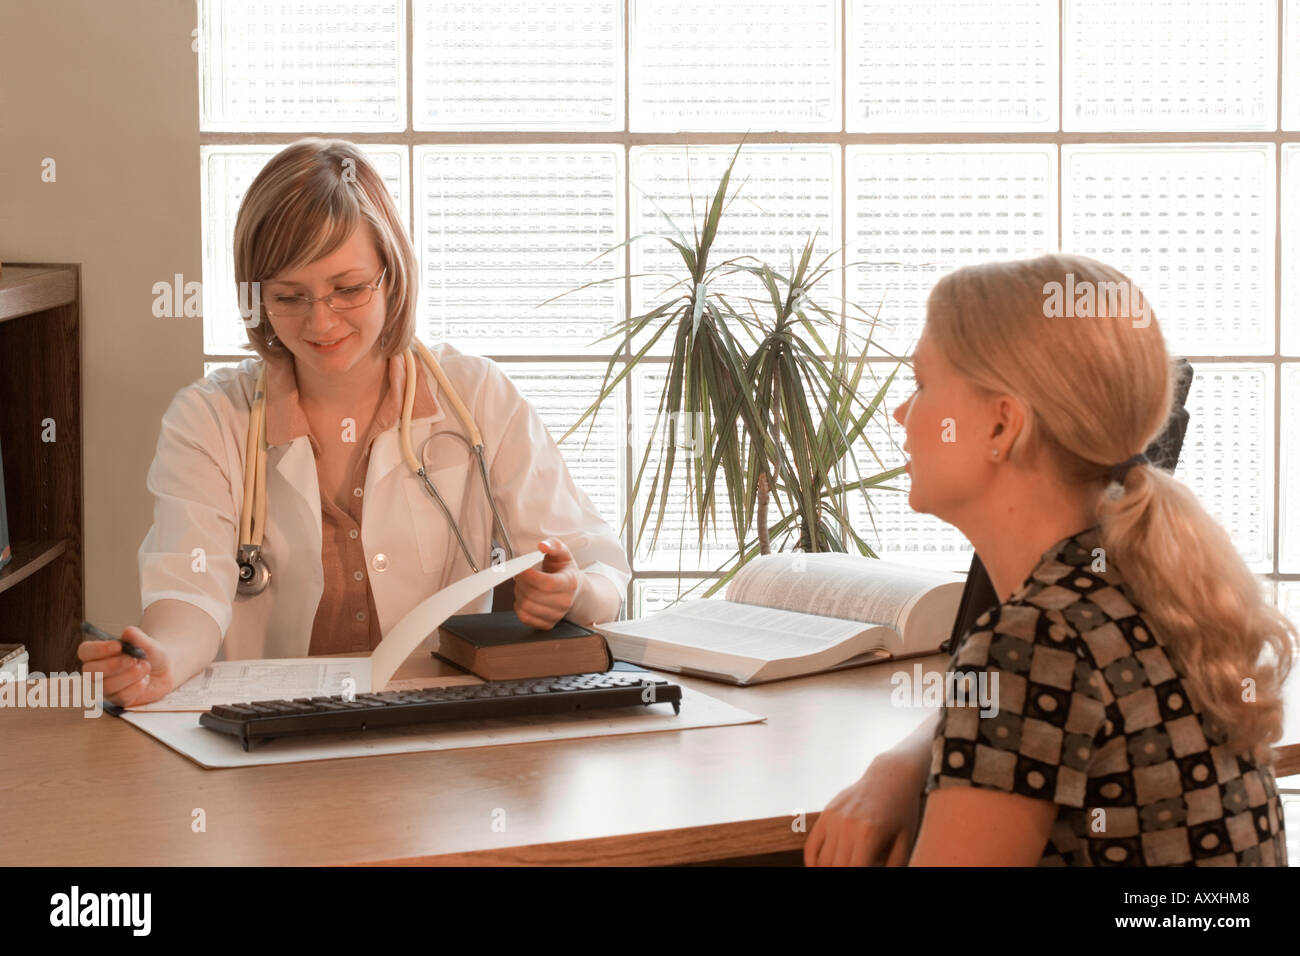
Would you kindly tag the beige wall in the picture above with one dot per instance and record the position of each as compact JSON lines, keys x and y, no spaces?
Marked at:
{"x":109,"y":91}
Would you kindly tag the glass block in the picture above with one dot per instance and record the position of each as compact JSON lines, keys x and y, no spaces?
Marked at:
{"x":1170,"y":65}
{"x":1291,"y":249}
{"x":561,"y":393}
{"x":1288,"y":600}
{"x":651,"y":595}
{"x":964,"y":65}
{"x":917,"y":213}
{"x":1289,"y":547}
{"x":281,"y":65}
{"x":677,"y":548}
{"x":1227,"y":456}
{"x":785,"y":194}
{"x":1291,"y":67}
{"x":889,"y":524}
{"x":734,"y":66}
{"x":518,"y":65}
{"x":225,"y":173}
{"x":1192,"y":225}
{"x":501,"y":230}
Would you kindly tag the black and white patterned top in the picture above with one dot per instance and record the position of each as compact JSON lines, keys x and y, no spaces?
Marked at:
{"x":1094,"y":716}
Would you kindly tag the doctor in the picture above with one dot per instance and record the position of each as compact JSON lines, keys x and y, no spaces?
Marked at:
{"x":343,"y":535}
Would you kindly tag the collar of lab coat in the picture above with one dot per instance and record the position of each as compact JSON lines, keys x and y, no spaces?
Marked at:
{"x":286,"y":423}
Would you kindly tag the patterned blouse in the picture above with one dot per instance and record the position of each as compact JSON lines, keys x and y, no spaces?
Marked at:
{"x":1093,"y":715}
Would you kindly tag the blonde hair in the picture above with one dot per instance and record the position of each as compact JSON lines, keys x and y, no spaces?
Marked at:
{"x":303,"y":205}
{"x":1097,"y":390}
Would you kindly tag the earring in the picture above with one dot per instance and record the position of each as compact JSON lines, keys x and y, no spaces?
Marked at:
{"x":995,"y":452}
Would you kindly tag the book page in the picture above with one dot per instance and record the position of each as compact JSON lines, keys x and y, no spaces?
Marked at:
{"x":742,"y":630}
{"x":845,"y":586}
{"x":425,"y":618}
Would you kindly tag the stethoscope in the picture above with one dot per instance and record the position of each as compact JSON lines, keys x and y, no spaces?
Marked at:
{"x":254,"y":575}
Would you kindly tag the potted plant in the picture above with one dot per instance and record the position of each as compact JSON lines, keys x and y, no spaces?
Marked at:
{"x":770,"y":400}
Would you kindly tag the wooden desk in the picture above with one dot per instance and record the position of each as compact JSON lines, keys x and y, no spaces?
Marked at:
{"x":655,"y":798}
{"x":652,"y":798}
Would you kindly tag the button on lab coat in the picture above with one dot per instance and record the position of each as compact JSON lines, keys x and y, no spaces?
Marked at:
{"x":197,"y":482}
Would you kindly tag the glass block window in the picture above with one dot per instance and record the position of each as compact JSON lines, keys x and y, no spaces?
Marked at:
{"x":1289,"y":478}
{"x":916,"y":213}
{"x":561,"y":393}
{"x":1291,"y":249}
{"x":1227,"y":456}
{"x":1288,"y":599}
{"x":1291,"y":67}
{"x":1192,"y":225}
{"x":1170,"y":65}
{"x":733,"y":65}
{"x":528,"y":144}
{"x":508,"y":66}
{"x":274,"y":65}
{"x":656,"y":594}
{"x":785,"y":195}
{"x":501,"y":231}
{"x":965,"y":65}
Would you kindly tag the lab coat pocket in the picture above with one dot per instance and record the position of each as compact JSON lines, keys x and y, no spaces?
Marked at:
{"x":433,"y":535}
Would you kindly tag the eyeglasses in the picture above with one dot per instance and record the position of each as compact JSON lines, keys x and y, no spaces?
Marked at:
{"x":340,"y":300}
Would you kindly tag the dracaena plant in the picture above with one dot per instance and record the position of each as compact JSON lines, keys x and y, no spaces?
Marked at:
{"x":769,"y":395}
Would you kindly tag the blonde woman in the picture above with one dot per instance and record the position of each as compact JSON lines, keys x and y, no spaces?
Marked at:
{"x":374,"y":493}
{"x":1138,"y":667}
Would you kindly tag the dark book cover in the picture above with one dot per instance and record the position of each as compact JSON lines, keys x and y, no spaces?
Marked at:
{"x":485,"y":634}
{"x":504,"y":627}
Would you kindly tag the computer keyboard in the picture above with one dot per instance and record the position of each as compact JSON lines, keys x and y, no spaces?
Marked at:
{"x":265,"y":719}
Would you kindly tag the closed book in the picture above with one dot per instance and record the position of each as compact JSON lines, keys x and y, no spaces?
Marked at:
{"x":13,"y":661}
{"x":499,"y":646}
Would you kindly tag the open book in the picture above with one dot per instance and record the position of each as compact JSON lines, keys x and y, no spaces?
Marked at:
{"x":790,"y":614}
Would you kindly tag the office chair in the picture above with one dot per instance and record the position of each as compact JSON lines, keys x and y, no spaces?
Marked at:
{"x":979,"y":596}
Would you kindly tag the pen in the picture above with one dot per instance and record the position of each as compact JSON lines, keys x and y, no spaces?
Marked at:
{"x":130,"y":650}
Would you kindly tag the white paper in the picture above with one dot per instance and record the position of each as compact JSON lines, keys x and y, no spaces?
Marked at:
{"x":427,"y":616}
{"x":238,"y":682}
{"x":182,"y":733}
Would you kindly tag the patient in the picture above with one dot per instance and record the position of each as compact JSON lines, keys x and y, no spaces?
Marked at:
{"x":1139,"y":668}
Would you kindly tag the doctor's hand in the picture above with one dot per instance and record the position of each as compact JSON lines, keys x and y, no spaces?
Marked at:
{"x":544,"y":595}
{"x":128,"y":681}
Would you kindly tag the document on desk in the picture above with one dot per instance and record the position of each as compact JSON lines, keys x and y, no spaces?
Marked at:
{"x":234,"y":682}
{"x":182,"y":733}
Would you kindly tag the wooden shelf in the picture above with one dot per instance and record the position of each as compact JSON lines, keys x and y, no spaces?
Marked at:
{"x":29,"y":557}
{"x":28,"y":289}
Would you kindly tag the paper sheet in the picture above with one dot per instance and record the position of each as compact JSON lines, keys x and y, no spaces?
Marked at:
{"x":236,"y":682}
{"x":428,"y":615}
{"x":182,"y":733}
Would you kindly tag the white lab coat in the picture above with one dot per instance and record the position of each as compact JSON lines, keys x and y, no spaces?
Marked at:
{"x":197,"y":482}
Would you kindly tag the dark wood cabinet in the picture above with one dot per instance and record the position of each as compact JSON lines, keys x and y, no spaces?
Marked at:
{"x":42,"y":590}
